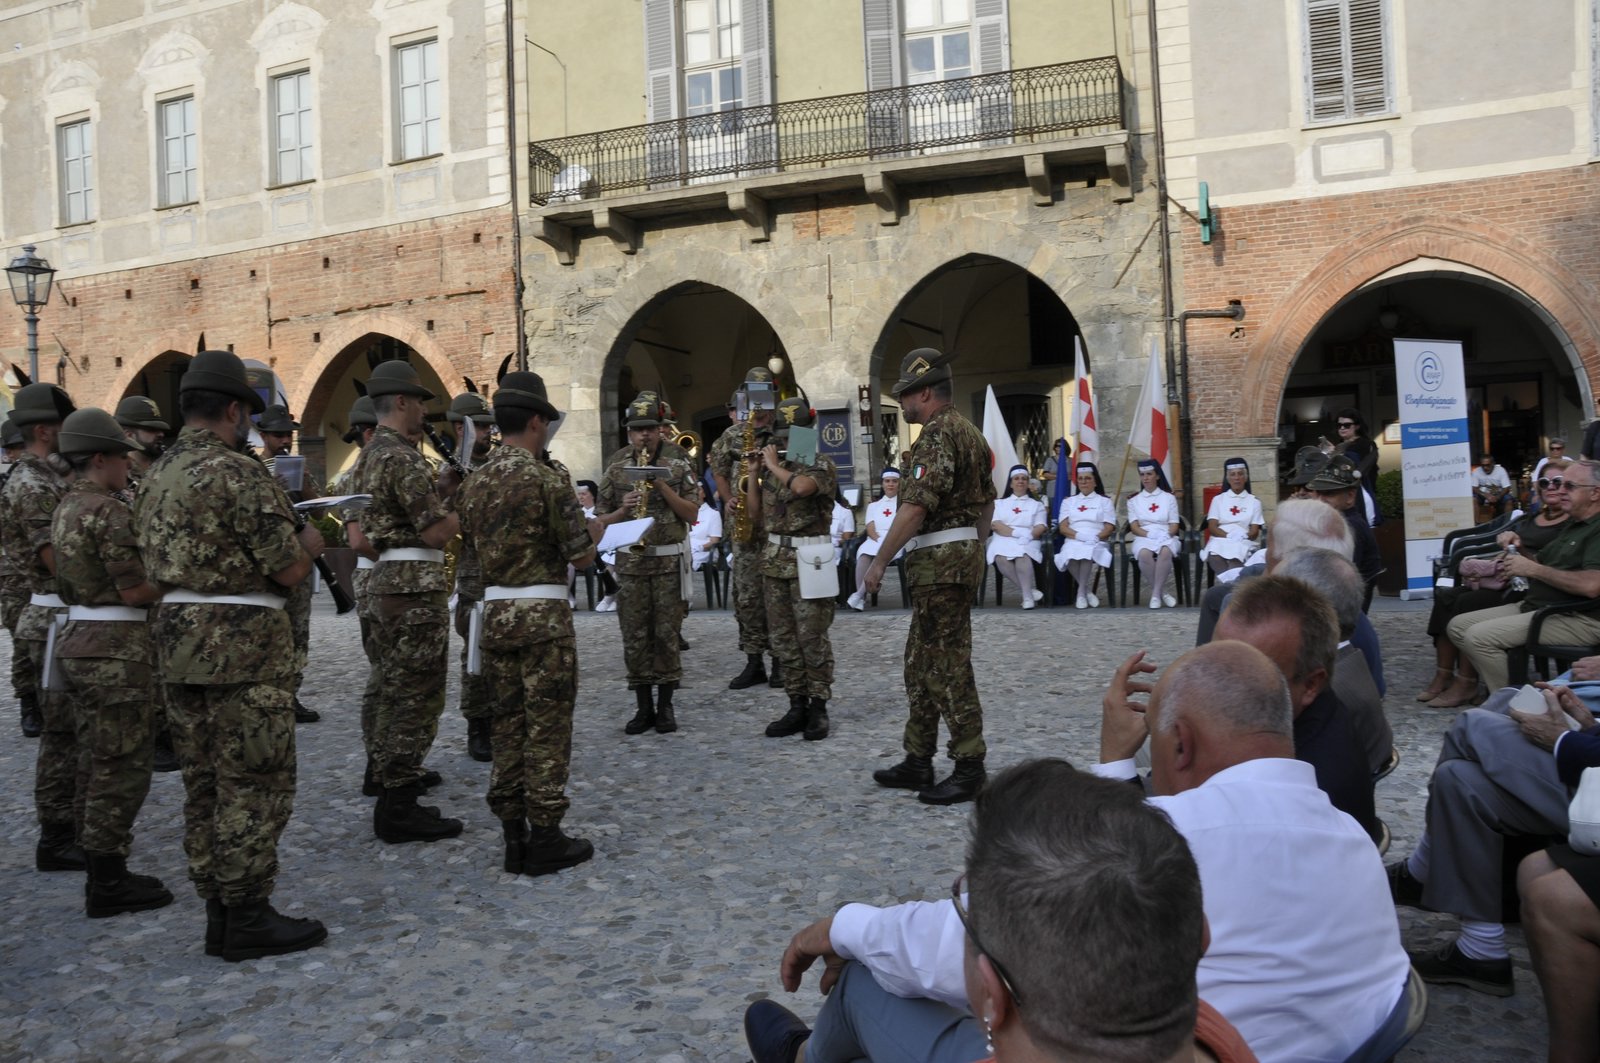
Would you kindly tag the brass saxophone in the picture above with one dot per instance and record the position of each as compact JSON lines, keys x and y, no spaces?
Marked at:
{"x":641,"y":508}
{"x":743,"y":531}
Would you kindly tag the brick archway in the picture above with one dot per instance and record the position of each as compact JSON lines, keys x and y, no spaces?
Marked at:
{"x":179,"y":340}
{"x":1520,"y":266}
{"x":308,"y":394}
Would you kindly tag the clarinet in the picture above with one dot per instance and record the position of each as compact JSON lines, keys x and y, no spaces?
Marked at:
{"x":446,"y":451}
{"x":342,"y":602}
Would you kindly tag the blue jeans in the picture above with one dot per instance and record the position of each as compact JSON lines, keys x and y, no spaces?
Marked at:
{"x":861,"y":1020}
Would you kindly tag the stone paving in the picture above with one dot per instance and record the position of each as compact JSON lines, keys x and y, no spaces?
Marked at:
{"x":713,"y":845}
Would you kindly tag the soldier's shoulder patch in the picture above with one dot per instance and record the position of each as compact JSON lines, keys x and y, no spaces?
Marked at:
{"x":918,"y":471}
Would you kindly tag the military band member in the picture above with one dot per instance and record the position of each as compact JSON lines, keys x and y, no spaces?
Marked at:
{"x":793,"y":501}
{"x":745,"y":556}
{"x":946,"y":508}
{"x":521,"y":517}
{"x":475,"y":694}
{"x":363,"y":421}
{"x":27,"y":504}
{"x":13,"y":596}
{"x":409,"y":521}
{"x":652,"y":572}
{"x":277,"y":428}
{"x":217,"y":531}
{"x":106,"y":656}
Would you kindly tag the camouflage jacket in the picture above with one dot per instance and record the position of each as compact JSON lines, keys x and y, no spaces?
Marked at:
{"x":523,"y":521}
{"x":724,"y":456}
{"x":784,"y":513}
{"x":27,"y":505}
{"x":405,"y":501}
{"x":96,"y":558}
{"x":212,"y":520}
{"x":949,"y":477}
{"x":669,"y":527}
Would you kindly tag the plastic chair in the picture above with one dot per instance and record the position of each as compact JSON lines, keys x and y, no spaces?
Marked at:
{"x":717,"y":571}
{"x":1540,"y":651}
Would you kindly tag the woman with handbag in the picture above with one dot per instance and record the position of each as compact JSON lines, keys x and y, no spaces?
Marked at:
{"x":1455,"y":681}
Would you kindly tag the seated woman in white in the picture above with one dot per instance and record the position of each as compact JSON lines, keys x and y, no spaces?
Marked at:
{"x":879,"y":516}
{"x":1087,"y":521}
{"x":843,"y":528}
{"x":704,"y":534}
{"x":1020,"y":520}
{"x":1153,"y":522}
{"x":1234,"y":520}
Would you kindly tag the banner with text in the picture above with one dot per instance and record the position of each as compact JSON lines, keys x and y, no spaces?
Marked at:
{"x":1435,"y":451}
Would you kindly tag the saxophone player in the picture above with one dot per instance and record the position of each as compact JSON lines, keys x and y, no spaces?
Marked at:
{"x":653,"y":573}
{"x":729,"y":463}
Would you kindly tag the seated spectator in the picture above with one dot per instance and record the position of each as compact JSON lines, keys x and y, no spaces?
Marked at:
{"x":1234,"y":521}
{"x":880,"y":514}
{"x":1455,"y":680}
{"x":1491,"y":487}
{"x":705,"y":533}
{"x":1304,"y":955}
{"x":1019,"y":523}
{"x":1339,"y":485}
{"x":1568,"y":570}
{"x":843,"y":527}
{"x":588,"y":491}
{"x":1087,"y":519}
{"x":1557,"y":452}
{"x":1153,"y":524}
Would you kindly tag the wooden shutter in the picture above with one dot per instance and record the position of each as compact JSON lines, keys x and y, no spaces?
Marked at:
{"x":661,"y":85}
{"x":992,"y":40}
{"x":1346,"y":59}
{"x":885,"y":108}
{"x":1369,"y":67}
{"x":755,"y":63}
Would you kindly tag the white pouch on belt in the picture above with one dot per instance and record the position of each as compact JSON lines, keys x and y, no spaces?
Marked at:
{"x":475,"y":639}
{"x":52,"y":677}
{"x":819,"y":570}
{"x":685,"y":575}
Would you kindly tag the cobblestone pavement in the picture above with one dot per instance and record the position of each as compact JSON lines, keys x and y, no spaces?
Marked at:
{"x":712,"y":846}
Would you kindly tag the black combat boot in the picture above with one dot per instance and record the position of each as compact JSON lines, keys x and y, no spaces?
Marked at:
{"x":371,"y":785}
{"x":255,"y":929}
{"x":32,"y":720}
{"x":548,"y":851}
{"x":666,"y":722}
{"x":962,"y":785}
{"x":913,"y":773}
{"x":479,"y":745}
{"x":683,"y":644}
{"x":400,"y":819}
{"x":164,"y":758}
{"x":430,"y":779}
{"x":516,"y":832}
{"x":645,"y":718}
{"x":303,"y":714}
{"x":791,"y":722}
{"x":216,"y":925}
{"x":112,"y":889}
{"x":775,"y":679}
{"x":754,"y":672}
{"x":816,"y":720}
{"x":57,"y":851}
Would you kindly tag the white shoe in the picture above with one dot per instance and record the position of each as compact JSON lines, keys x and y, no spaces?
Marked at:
{"x":856,"y":601}
{"x":1038,"y":596}
{"x":1083,"y":603}
{"x":1030,"y":603}
{"x":608,"y":604}
{"x":1155,"y":603}
{"x":1094,"y":602}
{"x":1169,"y":601}
{"x":572,"y":601}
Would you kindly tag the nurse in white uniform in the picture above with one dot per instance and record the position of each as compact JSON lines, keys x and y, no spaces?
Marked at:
{"x":1234,"y":521}
{"x":1153,"y":522}
{"x":875,"y":525}
{"x":1087,"y":521}
{"x":1019,"y":523}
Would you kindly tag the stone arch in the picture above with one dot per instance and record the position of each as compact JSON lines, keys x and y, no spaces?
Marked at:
{"x":1562,"y":299}
{"x":304,"y":391}
{"x":172,"y":339}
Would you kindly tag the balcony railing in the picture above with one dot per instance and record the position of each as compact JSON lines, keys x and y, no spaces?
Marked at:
{"x":1011,"y":107}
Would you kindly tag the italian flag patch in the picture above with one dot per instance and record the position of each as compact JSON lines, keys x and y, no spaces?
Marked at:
{"x":918,"y":471}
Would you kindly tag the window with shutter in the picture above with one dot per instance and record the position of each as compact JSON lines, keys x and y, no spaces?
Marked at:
{"x":1347,"y":60}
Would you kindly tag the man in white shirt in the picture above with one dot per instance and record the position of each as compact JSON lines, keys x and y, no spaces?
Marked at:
{"x":704,"y":534}
{"x":1490,"y":485}
{"x":1305,"y":957}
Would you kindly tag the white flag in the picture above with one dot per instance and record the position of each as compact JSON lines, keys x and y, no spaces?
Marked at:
{"x":1149,"y":432}
{"x":1002,"y":455}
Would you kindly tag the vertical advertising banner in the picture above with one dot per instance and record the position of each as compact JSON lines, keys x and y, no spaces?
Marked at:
{"x":1435,"y":452}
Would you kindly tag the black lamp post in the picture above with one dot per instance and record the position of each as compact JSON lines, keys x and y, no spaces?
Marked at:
{"x":31,"y":277}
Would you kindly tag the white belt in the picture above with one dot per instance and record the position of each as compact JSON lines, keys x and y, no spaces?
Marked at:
{"x":128,"y":613}
{"x":47,"y":601}
{"x":533,"y":590}
{"x":263,"y":600}
{"x":411,"y":553}
{"x":939,"y":538}
{"x":667,"y":550}
{"x":364,"y":563}
{"x":799,"y":540}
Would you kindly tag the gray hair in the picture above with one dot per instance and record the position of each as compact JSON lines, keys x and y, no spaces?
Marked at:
{"x":1209,"y":680}
{"x":1307,"y":524}
{"x":1335,"y":576}
{"x":384,"y":404}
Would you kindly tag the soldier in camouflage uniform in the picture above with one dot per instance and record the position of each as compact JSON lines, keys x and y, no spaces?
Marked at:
{"x":749,"y":610}
{"x":946,"y":506}
{"x":793,"y":501}
{"x":106,"y":656}
{"x":13,"y":596}
{"x":409,"y":522}
{"x":27,"y":505}
{"x":650,"y":600}
{"x":522,"y":520}
{"x":277,"y":428}
{"x":363,"y":421}
{"x":217,"y":530}
{"x":475,"y":693}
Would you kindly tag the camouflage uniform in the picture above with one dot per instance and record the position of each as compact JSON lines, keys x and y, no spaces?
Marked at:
{"x":522,"y":518}
{"x":13,"y":596}
{"x":476,"y":694}
{"x":108,"y":664}
{"x":26,"y":507}
{"x":350,"y":484}
{"x":213,"y":521}
{"x":298,"y":604}
{"x":798,"y":627}
{"x":650,"y":600}
{"x":745,"y":558}
{"x":948,"y":475}
{"x":409,"y":606}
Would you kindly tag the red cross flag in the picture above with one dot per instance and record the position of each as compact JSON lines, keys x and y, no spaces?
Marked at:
{"x":1150,"y":415}
{"x":1083,"y":430}
{"x":1002,"y":454}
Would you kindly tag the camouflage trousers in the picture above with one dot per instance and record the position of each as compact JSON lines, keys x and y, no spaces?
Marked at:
{"x":650,"y":612}
{"x":797,"y":630}
{"x":24,"y":681}
{"x":115,"y":706}
{"x":535,"y":690}
{"x":477,"y":694}
{"x":373,"y":691}
{"x":748,"y":608}
{"x":62,"y":770}
{"x":236,"y":743}
{"x":298,"y":606}
{"x":938,"y":672}
{"x":412,"y":632}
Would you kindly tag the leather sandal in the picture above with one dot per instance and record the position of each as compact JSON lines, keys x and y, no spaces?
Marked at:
{"x":1436,"y":688}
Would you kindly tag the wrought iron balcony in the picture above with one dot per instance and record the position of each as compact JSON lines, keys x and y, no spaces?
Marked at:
{"x":1033,"y":105}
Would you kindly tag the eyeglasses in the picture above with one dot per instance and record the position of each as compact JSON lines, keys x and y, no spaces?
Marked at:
{"x":1347,"y":424}
{"x":1558,"y":446}
{"x":1574,"y":487}
{"x":957,"y":888}
{"x":1547,"y":482}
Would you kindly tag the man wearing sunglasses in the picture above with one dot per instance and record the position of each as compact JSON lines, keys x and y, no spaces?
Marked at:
{"x":1491,"y":486}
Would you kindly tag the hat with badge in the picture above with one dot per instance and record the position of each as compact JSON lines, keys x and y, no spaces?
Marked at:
{"x":10,"y":434}
{"x":92,"y":431}
{"x":922,"y":367}
{"x":1308,"y":461}
{"x":758,"y":375}
{"x":1339,"y":474}
{"x":396,"y":377}
{"x":222,"y":372}
{"x":644,"y":411}
{"x":470,"y":404}
{"x":363,"y":415}
{"x":40,"y":403}
{"x":794,"y":412}
{"x":275,"y":419}
{"x":141,"y":411}
{"x":524,"y":390}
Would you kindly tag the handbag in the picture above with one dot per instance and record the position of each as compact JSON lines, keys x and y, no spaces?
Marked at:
{"x":1480,"y":573}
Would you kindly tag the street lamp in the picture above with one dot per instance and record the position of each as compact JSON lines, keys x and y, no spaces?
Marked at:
{"x":31,"y":277}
